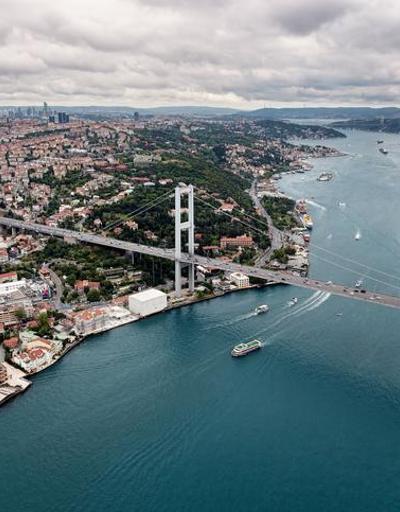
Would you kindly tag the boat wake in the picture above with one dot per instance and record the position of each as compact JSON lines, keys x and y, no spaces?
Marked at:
{"x":233,"y":321}
{"x":313,"y":302}
{"x":317,"y":205}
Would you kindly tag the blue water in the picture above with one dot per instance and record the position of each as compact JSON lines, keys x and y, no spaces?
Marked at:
{"x":157,"y":416}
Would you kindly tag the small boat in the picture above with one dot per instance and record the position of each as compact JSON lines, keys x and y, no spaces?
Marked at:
{"x":379,"y":141}
{"x":325,"y":176}
{"x":357,"y":236}
{"x":293,"y":301}
{"x":339,"y":314}
{"x":245,"y":348}
{"x":358,"y":283}
{"x":264,"y":308}
{"x":383,"y":151}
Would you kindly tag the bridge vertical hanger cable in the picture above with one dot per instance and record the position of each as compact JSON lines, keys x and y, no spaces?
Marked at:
{"x":241,"y":212}
{"x":336,"y":255}
{"x":355,"y":272}
{"x":231,"y":216}
{"x":140,"y":210}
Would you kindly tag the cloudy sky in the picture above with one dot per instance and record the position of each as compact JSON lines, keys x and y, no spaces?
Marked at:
{"x":239,"y":53}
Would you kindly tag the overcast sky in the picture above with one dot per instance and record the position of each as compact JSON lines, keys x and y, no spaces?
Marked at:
{"x":238,"y":53}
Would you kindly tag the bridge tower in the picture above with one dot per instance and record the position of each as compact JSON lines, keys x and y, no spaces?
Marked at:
{"x":183,"y":226}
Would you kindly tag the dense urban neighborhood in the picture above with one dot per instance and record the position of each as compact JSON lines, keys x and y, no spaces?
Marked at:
{"x":116,"y":177}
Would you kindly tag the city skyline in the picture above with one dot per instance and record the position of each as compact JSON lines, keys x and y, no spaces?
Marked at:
{"x":144,"y":54}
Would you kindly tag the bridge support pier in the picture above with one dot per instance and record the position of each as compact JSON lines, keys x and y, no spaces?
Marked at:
{"x":179,"y":227}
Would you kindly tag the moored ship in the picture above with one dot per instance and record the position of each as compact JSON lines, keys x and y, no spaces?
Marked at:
{"x":307,"y":221}
{"x":245,"y":348}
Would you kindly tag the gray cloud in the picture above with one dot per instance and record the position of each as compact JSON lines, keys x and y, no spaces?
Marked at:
{"x":217,"y":52}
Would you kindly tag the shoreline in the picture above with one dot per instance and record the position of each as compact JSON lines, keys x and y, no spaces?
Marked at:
{"x":82,"y":338}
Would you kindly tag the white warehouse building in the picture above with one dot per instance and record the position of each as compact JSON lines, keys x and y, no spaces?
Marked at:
{"x":147,"y":302}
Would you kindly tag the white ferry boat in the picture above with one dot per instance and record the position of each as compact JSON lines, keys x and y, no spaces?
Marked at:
{"x":264,"y":308}
{"x":245,"y":348}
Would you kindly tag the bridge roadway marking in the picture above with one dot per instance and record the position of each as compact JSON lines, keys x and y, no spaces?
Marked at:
{"x":268,"y":275}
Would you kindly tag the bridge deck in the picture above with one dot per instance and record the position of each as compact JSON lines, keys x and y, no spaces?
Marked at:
{"x":268,"y":275}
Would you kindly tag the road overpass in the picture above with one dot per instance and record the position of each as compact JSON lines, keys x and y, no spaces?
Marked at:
{"x":169,"y":254}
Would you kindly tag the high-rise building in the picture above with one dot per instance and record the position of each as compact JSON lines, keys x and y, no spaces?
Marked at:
{"x":63,"y":117}
{"x":136,"y":116}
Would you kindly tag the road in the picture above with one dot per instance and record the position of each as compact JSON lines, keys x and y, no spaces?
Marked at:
{"x":268,"y":275}
{"x":295,"y":280}
{"x":275,"y":235}
{"x":59,"y":289}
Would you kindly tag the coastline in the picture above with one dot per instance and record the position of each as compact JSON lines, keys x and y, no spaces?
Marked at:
{"x":185,"y":302}
{"x":82,"y":338}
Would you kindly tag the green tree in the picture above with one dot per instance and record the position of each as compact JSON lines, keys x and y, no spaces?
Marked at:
{"x":43,"y":328}
{"x":93,"y":295}
{"x":20,"y":314}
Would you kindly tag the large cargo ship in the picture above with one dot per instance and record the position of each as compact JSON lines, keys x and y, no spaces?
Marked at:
{"x":307,"y":221}
{"x":245,"y":348}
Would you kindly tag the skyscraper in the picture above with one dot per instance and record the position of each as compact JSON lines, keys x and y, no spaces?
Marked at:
{"x":63,"y":117}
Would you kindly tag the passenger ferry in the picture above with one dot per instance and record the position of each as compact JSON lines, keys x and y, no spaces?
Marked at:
{"x":264,"y":308}
{"x":245,"y":348}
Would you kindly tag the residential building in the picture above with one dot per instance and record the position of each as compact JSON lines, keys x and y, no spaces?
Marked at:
{"x":80,"y":286}
{"x":238,"y":241}
{"x":89,"y":320}
{"x":240,"y":280}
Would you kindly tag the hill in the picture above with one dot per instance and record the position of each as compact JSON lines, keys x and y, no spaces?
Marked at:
{"x":286,"y":130}
{"x":373,"y":125}
{"x":321,"y":113}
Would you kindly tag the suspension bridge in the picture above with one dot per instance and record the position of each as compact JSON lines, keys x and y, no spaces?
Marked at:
{"x":191,"y":260}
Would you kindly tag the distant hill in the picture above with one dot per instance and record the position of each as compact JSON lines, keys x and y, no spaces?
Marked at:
{"x":163,"y":111}
{"x":373,"y":125}
{"x":321,"y":113}
{"x":287,"y":130}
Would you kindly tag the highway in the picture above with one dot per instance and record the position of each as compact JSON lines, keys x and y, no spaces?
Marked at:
{"x":268,"y":275}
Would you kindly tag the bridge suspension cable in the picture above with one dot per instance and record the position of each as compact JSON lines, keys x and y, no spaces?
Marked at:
{"x":336,"y":255}
{"x":355,"y":272}
{"x":140,"y":210}
{"x":243,"y":213}
{"x":231,"y":216}
{"x":392,"y":276}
